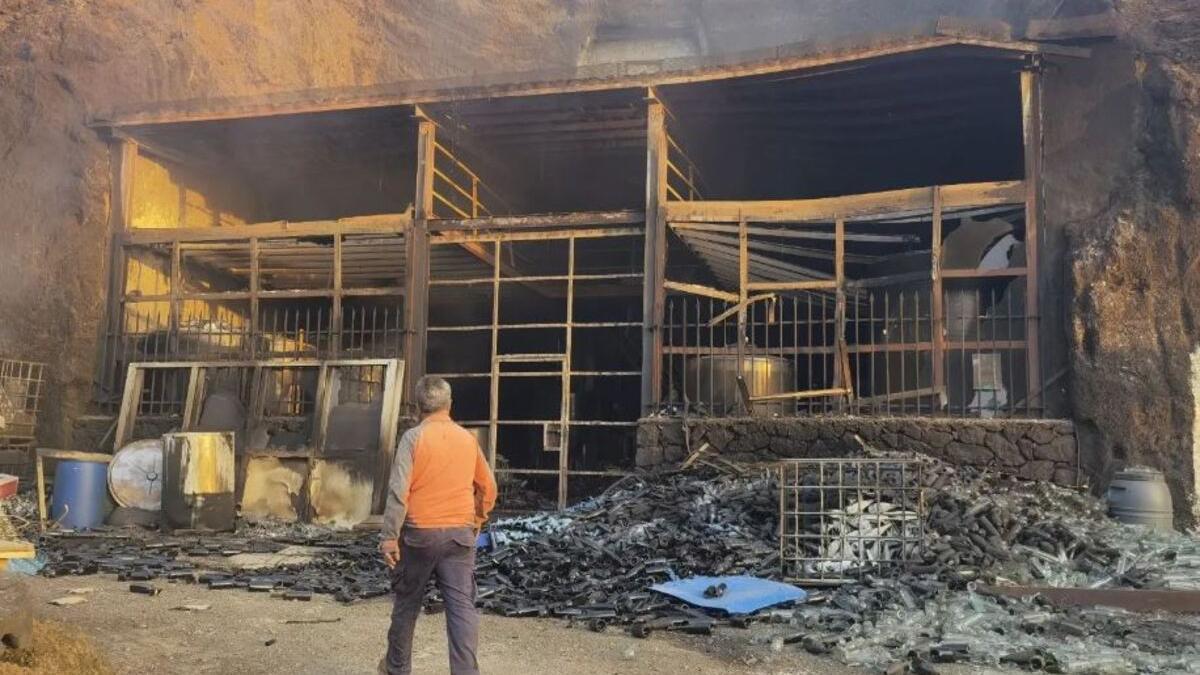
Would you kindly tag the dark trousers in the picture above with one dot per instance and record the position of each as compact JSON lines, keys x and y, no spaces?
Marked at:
{"x":449,"y":556}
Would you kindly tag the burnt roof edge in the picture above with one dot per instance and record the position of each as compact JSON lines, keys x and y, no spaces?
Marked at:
{"x":811,"y":54}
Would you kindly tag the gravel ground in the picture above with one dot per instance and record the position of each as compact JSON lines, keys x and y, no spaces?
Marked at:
{"x":143,"y":634}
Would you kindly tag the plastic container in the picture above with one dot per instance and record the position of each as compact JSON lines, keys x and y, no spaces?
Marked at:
{"x":1139,"y":496}
{"x":80,"y":500}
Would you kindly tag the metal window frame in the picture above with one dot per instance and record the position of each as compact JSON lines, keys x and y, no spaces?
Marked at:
{"x":328,"y":371}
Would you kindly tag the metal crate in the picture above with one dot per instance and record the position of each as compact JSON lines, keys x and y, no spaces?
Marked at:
{"x":843,"y":518}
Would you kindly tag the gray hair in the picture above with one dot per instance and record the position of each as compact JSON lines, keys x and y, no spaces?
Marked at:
{"x":433,"y":394}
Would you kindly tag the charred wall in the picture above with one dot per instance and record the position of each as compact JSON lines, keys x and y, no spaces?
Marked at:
{"x":1121,"y":182}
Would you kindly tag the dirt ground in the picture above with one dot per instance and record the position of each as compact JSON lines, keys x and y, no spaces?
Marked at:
{"x":145,"y":634}
{"x":56,"y":649}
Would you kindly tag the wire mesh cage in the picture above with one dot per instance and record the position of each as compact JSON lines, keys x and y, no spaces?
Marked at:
{"x":843,"y":518}
{"x":20,"y":401}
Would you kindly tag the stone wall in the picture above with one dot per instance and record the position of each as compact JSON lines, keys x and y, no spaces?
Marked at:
{"x":1033,"y":449}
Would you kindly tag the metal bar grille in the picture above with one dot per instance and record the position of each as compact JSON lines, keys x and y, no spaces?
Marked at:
{"x":546,"y":342}
{"x":789,"y":346}
{"x":683,"y":178}
{"x":20,"y":401}
{"x":278,"y":297}
{"x":21,"y":386}
{"x":369,"y":328}
{"x":840,"y":519}
{"x":900,"y":321}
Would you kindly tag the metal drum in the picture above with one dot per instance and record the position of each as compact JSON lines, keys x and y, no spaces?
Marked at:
{"x":1140,"y":496}
{"x":198,"y":481}
{"x":712,"y":380}
{"x":80,"y":500}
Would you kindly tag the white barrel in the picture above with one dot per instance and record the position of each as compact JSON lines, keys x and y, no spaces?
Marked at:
{"x":1139,"y":496}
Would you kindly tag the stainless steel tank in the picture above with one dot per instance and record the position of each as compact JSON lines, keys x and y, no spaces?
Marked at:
{"x":712,"y":381}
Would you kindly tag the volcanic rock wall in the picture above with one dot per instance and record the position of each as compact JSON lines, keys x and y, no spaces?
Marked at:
{"x":1121,"y":183}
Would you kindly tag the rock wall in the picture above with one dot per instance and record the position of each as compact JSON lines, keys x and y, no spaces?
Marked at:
{"x":1121,"y":186}
{"x":1031,"y":449}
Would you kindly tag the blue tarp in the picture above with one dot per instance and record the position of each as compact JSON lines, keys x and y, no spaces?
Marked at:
{"x":743,"y":595}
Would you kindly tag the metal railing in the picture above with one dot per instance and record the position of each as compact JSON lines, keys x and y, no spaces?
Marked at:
{"x":790,"y":344}
{"x":458,"y":189}
{"x":683,"y":178}
{"x":368,"y":330}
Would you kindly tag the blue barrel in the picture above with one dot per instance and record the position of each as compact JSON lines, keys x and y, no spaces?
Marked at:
{"x":80,"y":494}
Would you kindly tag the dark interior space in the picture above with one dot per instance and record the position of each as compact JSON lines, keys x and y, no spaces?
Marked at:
{"x":562,"y":304}
{"x":943,"y":117}
{"x":313,"y":166}
{"x":555,"y":153}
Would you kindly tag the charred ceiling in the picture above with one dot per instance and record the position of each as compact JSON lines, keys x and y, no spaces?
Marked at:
{"x":947,"y":112}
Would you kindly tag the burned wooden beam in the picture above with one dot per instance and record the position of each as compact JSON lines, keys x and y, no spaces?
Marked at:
{"x":543,"y":220}
{"x":416,"y":264}
{"x":1031,"y":121}
{"x":392,"y":222}
{"x":655,"y":253}
{"x":876,"y":205}
{"x":701,"y":290}
{"x":1133,"y":600}
{"x":1090,"y":27}
{"x":794,"y":57}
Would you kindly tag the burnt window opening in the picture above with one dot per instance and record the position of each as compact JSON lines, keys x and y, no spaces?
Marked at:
{"x":908,"y":122}
{"x":542,"y":154}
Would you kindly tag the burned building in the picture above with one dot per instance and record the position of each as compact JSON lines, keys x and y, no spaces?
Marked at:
{"x":614,"y":265}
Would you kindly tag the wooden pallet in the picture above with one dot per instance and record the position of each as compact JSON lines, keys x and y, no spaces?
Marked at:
{"x":14,"y":548}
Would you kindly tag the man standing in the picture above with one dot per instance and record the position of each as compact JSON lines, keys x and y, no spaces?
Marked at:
{"x":441,"y":492}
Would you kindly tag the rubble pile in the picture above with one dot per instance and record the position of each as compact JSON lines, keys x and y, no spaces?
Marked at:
{"x":598,"y":562}
{"x":351,"y":570}
{"x":981,"y":524}
{"x":19,"y":515}
{"x":984,"y":529}
{"x":593,"y":565}
{"x":980,"y":628}
{"x":914,"y":619}
{"x":984,"y":526}
{"x":595,"y":561}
